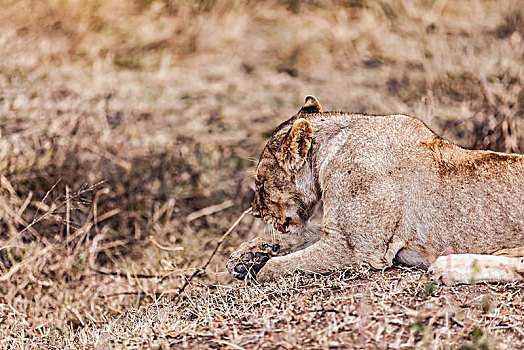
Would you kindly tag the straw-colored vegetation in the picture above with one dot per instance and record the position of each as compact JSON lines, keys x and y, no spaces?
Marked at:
{"x":127,"y":136}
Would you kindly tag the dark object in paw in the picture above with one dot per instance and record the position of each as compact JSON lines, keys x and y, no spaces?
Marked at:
{"x":241,"y":268}
{"x":274,"y":248}
{"x":261,"y":258}
{"x":251,"y":264}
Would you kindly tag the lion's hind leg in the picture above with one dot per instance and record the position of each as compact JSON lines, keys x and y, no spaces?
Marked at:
{"x":513,"y":252}
{"x":473,"y":268}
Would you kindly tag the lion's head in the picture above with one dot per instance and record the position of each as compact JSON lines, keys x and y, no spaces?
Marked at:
{"x":284,"y":193}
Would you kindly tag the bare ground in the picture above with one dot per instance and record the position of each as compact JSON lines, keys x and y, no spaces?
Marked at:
{"x":129,"y":131}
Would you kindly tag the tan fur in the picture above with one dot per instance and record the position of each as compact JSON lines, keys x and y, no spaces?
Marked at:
{"x":295,"y":146}
{"x":391,"y":190}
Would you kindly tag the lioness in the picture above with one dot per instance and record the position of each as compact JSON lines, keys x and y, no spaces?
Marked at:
{"x":392,"y":191}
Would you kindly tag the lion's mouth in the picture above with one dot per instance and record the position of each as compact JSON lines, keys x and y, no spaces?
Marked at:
{"x":283,"y":228}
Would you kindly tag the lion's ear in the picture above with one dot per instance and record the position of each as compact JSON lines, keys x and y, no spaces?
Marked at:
{"x":296,"y":145}
{"x":310,"y":106}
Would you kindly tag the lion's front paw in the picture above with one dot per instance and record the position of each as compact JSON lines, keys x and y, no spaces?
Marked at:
{"x":250,"y":257}
{"x":272,"y":271}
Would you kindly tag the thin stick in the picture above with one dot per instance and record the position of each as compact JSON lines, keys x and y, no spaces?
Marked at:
{"x":110,"y":156}
{"x":209,"y":210}
{"x":26,"y":203}
{"x":125,"y":275}
{"x":68,"y":216}
{"x":45,"y":197}
{"x":158,"y":245}
{"x":219,"y":243}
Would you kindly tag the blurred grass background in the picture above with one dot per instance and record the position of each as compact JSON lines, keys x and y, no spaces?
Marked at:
{"x":120,"y":118}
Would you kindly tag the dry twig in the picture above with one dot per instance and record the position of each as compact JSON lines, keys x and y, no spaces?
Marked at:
{"x":209,"y":210}
{"x":219,"y":243}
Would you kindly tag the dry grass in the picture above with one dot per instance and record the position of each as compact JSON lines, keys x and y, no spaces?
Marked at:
{"x":353,"y":309}
{"x":121,"y":120}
